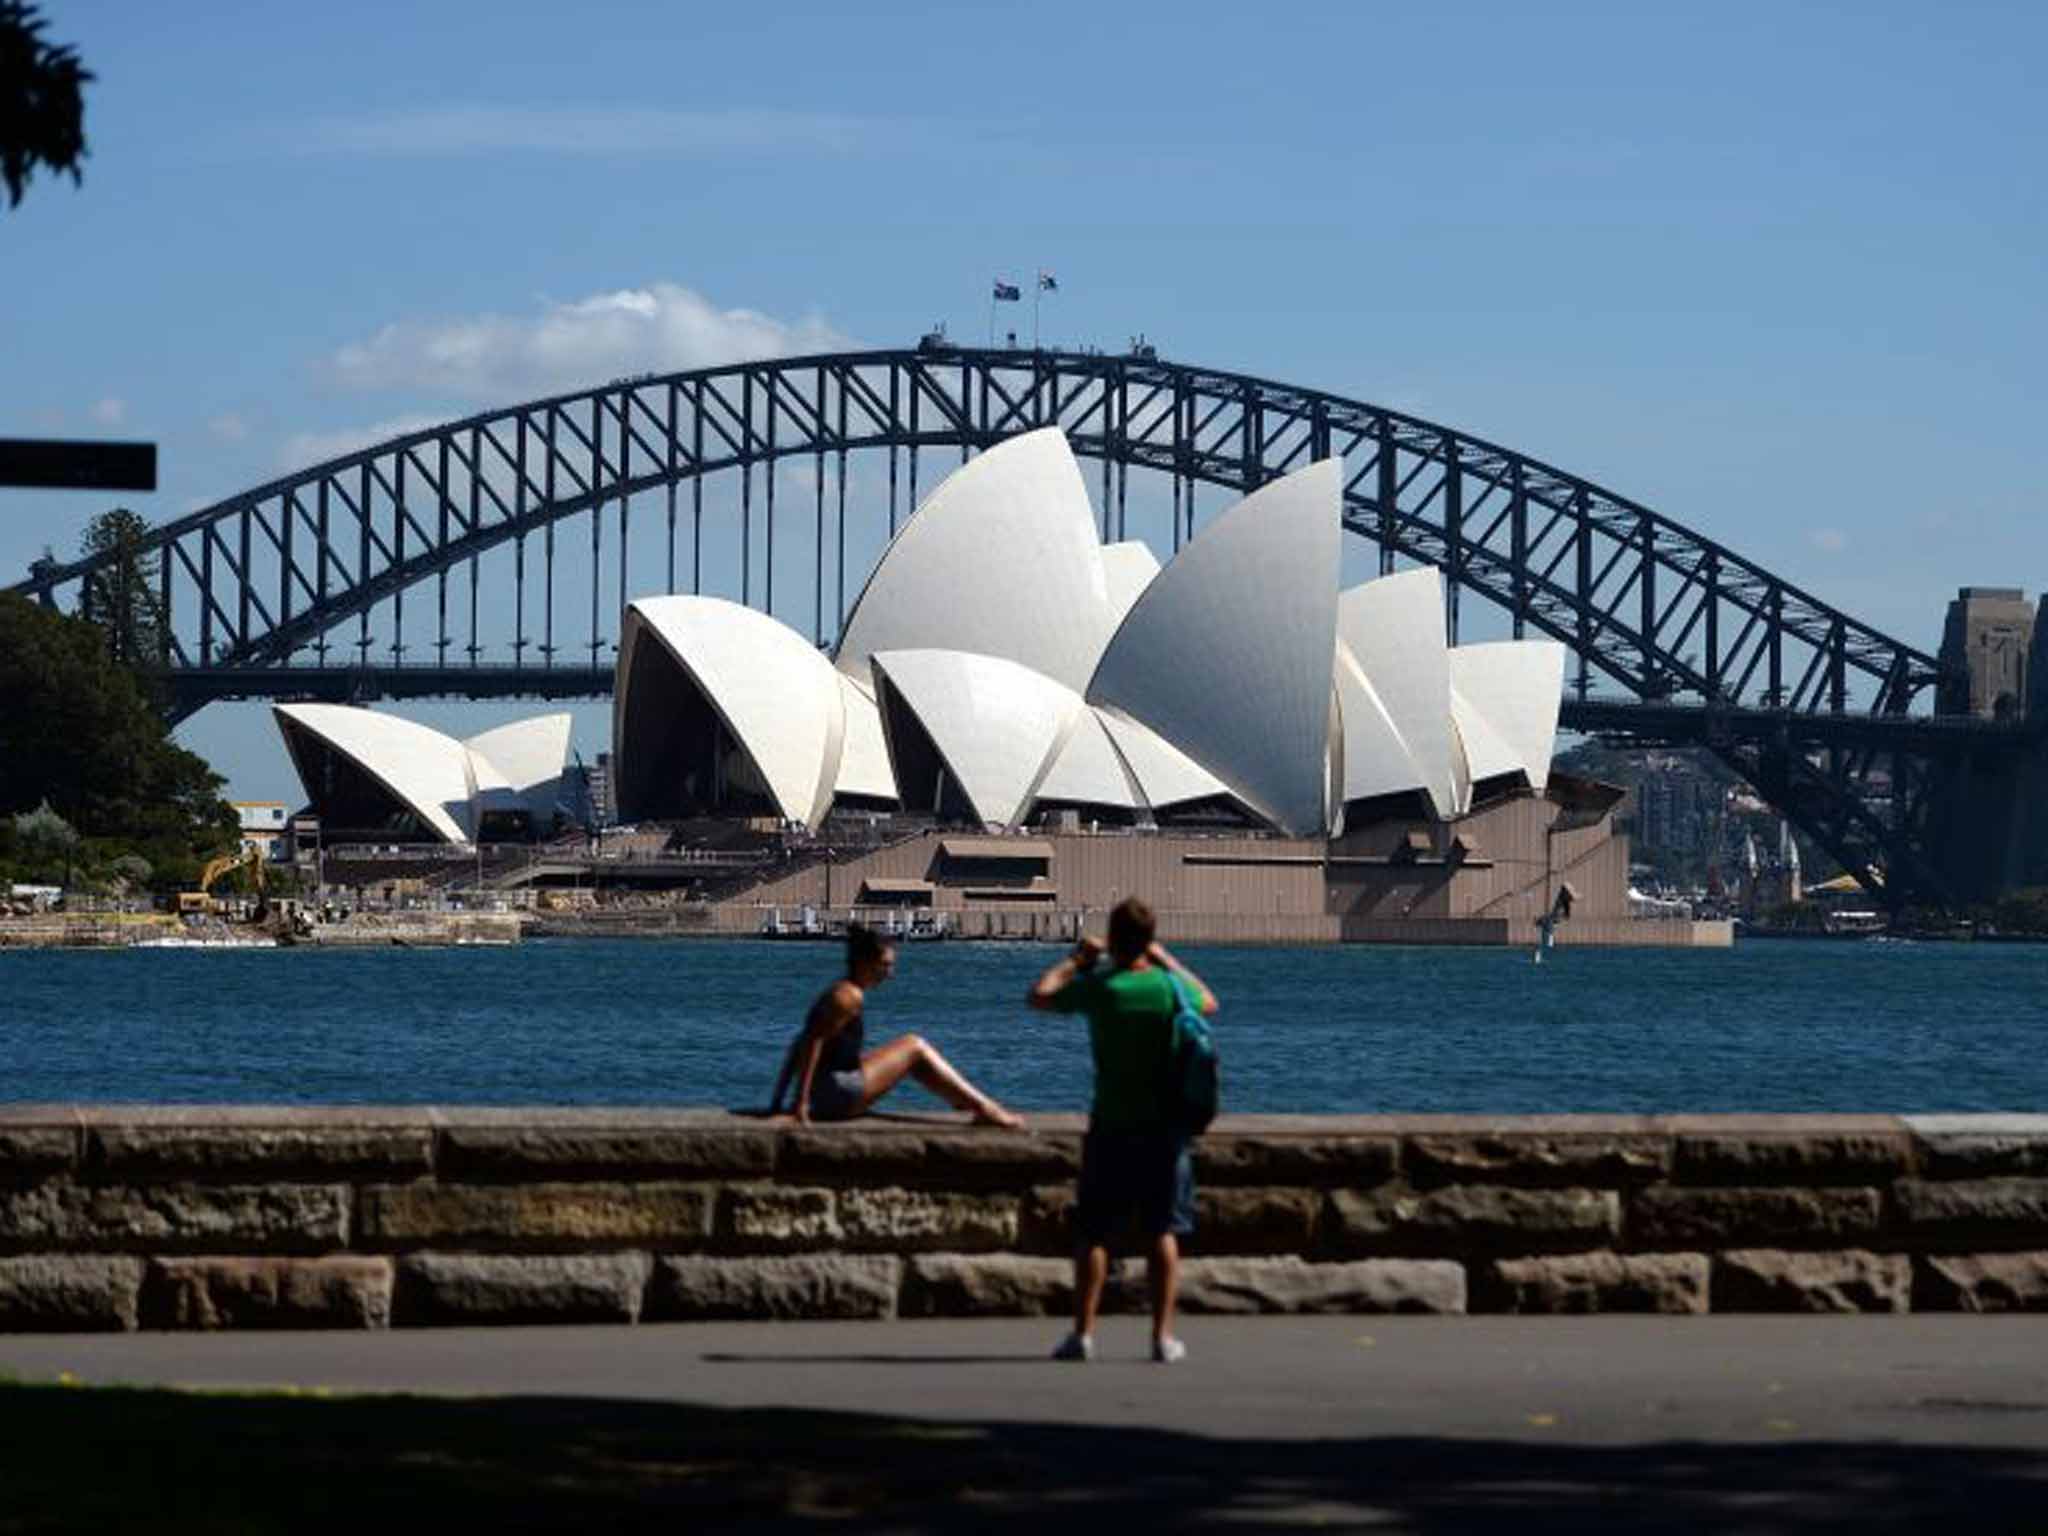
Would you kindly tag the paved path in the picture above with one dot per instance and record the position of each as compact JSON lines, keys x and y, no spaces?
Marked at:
{"x":1754,"y":1423}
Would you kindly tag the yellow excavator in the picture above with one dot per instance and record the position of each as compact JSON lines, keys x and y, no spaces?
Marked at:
{"x":199,"y":901}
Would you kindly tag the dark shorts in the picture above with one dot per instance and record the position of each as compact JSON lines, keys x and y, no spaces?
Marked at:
{"x":835,"y":1095}
{"x":1144,"y":1174}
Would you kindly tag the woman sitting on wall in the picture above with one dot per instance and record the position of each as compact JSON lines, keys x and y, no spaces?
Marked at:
{"x":836,"y":1080}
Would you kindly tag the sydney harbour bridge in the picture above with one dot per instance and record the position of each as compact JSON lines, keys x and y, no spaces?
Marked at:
{"x":487,"y":557}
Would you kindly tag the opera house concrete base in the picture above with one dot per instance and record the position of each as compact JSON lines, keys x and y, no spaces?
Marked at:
{"x":1482,"y":880}
{"x":210,"y":1218}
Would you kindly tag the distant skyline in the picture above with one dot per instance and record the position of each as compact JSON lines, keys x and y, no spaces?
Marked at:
{"x":1775,"y":271}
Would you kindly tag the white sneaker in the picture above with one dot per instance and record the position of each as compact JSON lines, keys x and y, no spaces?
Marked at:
{"x":1076,"y":1346}
{"x":1167,"y":1350}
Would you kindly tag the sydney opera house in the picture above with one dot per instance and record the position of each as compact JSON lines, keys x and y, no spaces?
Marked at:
{"x":1045,"y":720}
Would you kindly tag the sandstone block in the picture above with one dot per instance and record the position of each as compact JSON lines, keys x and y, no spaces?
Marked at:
{"x":1248,"y":1219}
{"x":1530,"y":1157}
{"x":1996,"y":1213}
{"x":926,"y":1219}
{"x":963,"y":1159}
{"x":1780,"y":1280}
{"x":1667,"y":1217}
{"x":770,"y":1216}
{"x":1793,"y":1157}
{"x":276,"y":1218}
{"x":977,"y":1159}
{"x":1008,"y":1285}
{"x":69,"y":1293}
{"x":152,"y":1151}
{"x":520,"y":1288}
{"x":1354,"y":1162}
{"x":606,"y":1150}
{"x":987,"y":1285}
{"x":787,"y":1286}
{"x":1982,"y":1282}
{"x":1980,"y":1146}
{"x":33,"y":1151}
{"x":505,"y":1215}
{"x":1461,"y":1218}
{"x":852,"y":1152}
{"x":1045,"y":1222}
{"x":1293,"y":1285}
{"x":1594,"y":1282}
{"x":340,"y":1291}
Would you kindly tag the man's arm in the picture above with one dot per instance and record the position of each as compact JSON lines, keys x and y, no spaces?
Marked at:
{"x":1046,"y":990}
{"x":1159,"y":954}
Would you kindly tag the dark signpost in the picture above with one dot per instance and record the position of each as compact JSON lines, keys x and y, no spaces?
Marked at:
{"x":47,"y":465}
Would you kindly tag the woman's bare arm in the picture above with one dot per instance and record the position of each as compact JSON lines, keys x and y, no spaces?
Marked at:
{"x":827,"y":1019}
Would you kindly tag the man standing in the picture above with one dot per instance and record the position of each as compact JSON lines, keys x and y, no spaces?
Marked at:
{"x":1134,"y":1160}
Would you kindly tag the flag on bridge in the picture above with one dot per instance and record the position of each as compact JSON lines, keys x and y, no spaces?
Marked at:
{"x":1047,"y":283}
{"x":1006,"y":293}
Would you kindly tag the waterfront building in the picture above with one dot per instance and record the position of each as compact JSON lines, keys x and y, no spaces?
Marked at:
{"x":1021,"y":723}
{"x":378,"y":778}
{"x":263,"y":828}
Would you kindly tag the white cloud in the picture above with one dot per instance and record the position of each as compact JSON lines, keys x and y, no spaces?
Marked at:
{"x":109,"y":412}
{"x":1830,"y":541}
{"x":304,"y":449}
{"x":638,"y":131}
{"x":228,"y":427}
{"x":502,"y":358}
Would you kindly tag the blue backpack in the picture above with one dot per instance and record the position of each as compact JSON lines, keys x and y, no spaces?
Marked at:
{"x":1192,"y":1092}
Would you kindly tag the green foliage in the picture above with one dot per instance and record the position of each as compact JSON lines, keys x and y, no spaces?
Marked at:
{"x":2023,"y":911}
{"x":121,"y":596}
{"x":42,"y":101}
{"x":77,"y":733}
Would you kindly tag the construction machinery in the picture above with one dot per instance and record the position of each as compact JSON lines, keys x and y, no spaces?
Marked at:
{"x":200,"y":901}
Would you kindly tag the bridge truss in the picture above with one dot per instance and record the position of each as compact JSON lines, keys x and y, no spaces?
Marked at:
{"x":1677,"y":638}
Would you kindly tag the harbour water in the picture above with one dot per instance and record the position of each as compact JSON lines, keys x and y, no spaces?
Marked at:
{"x":1767,"y":1027}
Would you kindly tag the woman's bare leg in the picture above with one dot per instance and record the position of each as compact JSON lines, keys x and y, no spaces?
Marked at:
{"x":914,"y":1056}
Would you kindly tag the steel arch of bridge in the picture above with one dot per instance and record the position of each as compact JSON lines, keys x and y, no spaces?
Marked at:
{"x":251,"y":585}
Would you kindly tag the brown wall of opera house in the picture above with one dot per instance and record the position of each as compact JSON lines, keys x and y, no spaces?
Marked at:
{"x":1477,"y":880}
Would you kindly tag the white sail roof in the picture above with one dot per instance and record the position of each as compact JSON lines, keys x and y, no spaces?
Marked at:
{"x":1128,"y":569}
{"x":1000,"y":560}
{"x":1089,"y":771}
{"x":1165,"y":775}
{"x":1477,"y":752}
{"x":864,"y":752}
{"x":1517,"y":686}
{"x":428,"y":772}
{"x":1395,"y":628}
{"x":527,"y":757}
{"x":1374,"y":759}
{"x":776,"y":694}
{"x":1228,"y":653}
{"x":996,"y":724}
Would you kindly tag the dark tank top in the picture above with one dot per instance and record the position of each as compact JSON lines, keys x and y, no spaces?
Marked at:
{"x":841,"y":1053}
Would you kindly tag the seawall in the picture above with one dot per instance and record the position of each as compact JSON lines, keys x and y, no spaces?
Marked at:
{"x":118,"y":1218}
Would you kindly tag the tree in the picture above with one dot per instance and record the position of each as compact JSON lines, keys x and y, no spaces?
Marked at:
{"x":121,"y":597}
{"x":47,"y":841}
{"x":42,"y":102}
{"x":77,"y":731}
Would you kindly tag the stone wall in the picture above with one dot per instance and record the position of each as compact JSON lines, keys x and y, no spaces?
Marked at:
{"x":116,"y":1218}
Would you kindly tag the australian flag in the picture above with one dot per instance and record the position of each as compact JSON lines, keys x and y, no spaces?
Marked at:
{"x":1047,"y":283}
{"x":1007,"y":293}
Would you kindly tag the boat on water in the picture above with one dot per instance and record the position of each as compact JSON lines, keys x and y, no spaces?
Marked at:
{"x":897,"y":927}
{"x":186,"y":941}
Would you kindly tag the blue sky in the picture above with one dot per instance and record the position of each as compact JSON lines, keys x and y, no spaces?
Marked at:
{"x":1775,"y":270}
